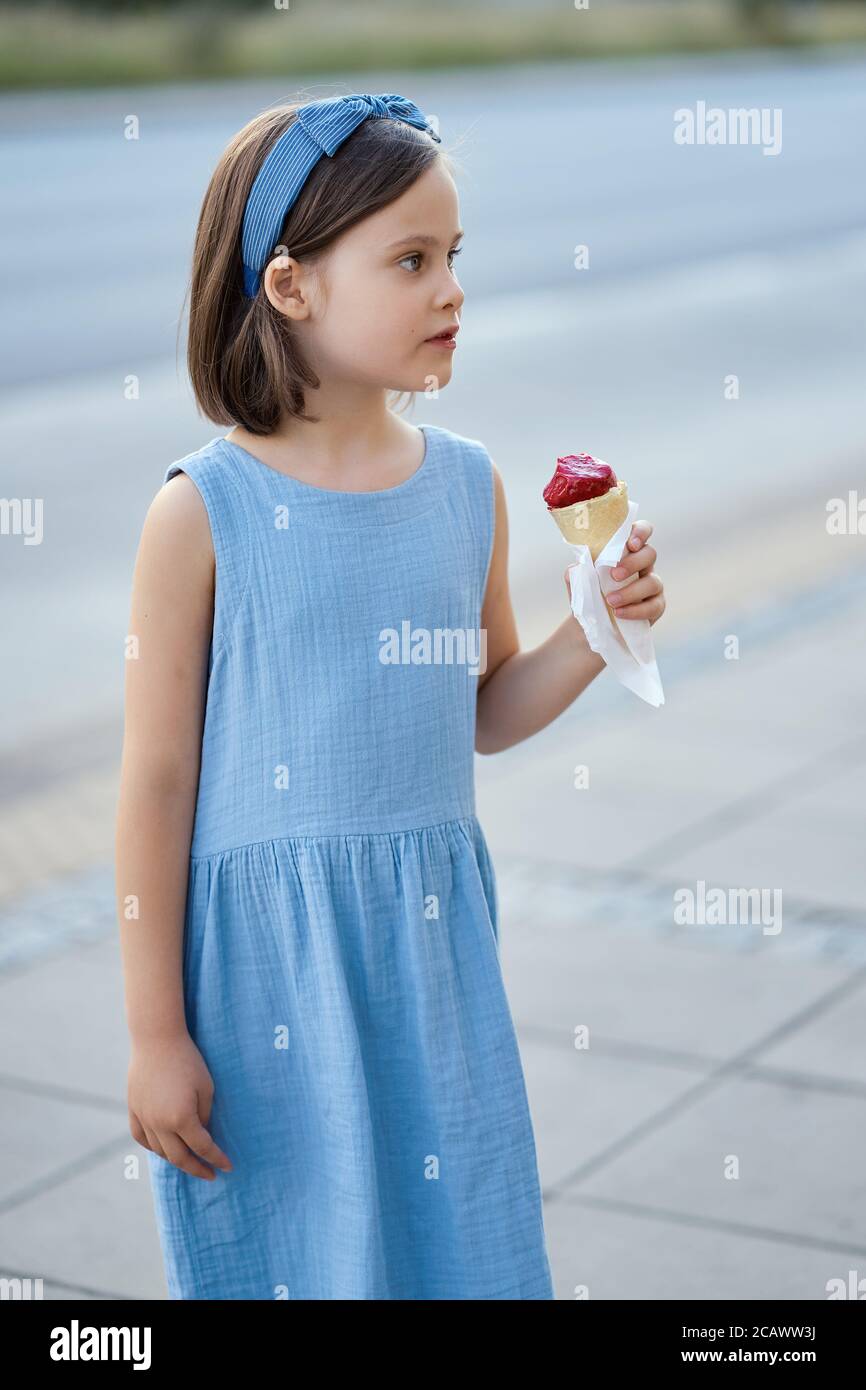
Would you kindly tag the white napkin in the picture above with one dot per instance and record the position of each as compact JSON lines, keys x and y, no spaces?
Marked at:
{"x":627,"y":647}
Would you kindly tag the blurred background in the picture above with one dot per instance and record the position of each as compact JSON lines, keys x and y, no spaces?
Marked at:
{"x":690,"y":312}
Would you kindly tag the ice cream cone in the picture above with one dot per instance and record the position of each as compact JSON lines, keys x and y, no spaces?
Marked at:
{"x":594,"y":521}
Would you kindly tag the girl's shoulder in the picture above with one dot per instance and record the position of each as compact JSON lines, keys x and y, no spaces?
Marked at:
{"x":211,"y":470}
{"x":199,"y":463}
{"x":460,"y":443}
{"x":468,"y":456}
{"x":466,"y":468}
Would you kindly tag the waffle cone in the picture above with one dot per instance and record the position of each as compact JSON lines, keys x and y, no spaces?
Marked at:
{"x":593,"y":522}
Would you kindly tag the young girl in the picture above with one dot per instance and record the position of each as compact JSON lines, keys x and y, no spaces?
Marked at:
{"x":324,"y":1070}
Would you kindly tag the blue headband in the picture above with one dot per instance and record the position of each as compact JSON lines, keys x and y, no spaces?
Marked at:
{"x":319,"y":128}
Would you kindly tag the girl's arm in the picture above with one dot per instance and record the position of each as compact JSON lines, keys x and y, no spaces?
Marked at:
{"x":521,"y":692}
{"x":166,"y":675}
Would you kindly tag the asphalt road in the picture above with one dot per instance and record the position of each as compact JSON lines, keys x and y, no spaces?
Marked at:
{"x":705,"y":261}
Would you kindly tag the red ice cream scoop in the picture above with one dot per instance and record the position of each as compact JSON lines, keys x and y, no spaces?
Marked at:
{"x":577,"y":478}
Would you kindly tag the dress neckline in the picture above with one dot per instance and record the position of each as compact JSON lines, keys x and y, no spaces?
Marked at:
{"x":399,"y":490}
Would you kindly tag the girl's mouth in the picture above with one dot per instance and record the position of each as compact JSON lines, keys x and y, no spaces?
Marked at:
{"x":446,"y":339}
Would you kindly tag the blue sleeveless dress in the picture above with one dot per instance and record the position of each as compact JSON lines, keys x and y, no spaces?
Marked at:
{"x":341,"y":954}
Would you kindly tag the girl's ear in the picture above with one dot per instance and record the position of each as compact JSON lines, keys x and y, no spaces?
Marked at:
{"x":288,"y":286}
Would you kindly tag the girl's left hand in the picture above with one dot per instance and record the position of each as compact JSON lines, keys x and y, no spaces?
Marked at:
{"x":644,"y":597}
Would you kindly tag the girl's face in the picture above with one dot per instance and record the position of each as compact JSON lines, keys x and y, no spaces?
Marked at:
{"x":382,"y":290}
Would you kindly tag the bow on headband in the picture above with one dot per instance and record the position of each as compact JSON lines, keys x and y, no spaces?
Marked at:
{"x":320,"y":128}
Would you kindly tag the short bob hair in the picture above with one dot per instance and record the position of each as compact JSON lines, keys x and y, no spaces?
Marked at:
{"x":244,"y":363}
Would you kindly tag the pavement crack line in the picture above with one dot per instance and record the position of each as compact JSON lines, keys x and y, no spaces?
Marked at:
{"x":766,"y":1074}
{"x":64,"y":1174}
{"x":740,"y":1228}
{"x":67,"y":1095}
{"x":737,"y":813}
{"x":690,"y":1097}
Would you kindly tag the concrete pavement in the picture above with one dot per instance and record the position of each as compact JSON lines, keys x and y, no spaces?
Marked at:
{"x":707,"y":1141}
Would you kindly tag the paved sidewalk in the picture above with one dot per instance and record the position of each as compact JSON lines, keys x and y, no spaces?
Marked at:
{"x":713,"y":1050}
{"x":710,"y":1049}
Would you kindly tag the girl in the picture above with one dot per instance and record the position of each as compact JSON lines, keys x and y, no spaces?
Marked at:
{"x":324,"y":1070}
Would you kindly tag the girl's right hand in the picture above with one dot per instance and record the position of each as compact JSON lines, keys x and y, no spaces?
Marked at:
{"x":170,"y":1093}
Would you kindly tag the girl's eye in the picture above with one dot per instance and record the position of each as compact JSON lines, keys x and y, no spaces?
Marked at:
{"x":418,"y":255}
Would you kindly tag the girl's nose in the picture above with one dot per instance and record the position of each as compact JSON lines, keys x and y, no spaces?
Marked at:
{"x":453,"y":294}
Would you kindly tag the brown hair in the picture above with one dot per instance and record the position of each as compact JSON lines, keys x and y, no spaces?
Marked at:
{"x":244,"y":363}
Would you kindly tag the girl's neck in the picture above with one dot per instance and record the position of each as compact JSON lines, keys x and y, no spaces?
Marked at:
{"x":341,"y":454}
